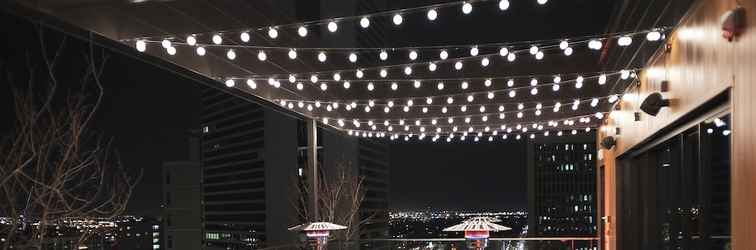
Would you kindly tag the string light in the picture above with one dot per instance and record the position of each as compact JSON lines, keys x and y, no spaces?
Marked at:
{"x":432,"y":14}
{"x":273,"y":33}
{"x":364,"y":22}
{"x":504,"y":4}
{"x":302,"y":31}
{"x":397,"y":19}
{"x":200,"y":51}
{"x":217,"y":39}
{"x":332,"y":26}
{"x":467,"y":8}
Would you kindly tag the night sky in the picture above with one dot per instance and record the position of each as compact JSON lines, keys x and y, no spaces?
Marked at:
{"x":148,"y":111}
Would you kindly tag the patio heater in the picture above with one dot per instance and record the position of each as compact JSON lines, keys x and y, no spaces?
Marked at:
{"x":315,"y":234}
{"x":477,"y":231}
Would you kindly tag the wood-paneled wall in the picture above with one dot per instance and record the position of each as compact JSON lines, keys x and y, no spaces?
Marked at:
{"x":699,"y":66}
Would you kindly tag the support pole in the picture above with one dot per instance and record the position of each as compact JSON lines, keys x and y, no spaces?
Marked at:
{"x":312,"y":168}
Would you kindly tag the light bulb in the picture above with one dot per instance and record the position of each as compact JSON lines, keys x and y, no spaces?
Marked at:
{"x":432,"y":67}
{"x":217,"y":39}
{"x":364,"y":22}
{"x":542,"y":2}
{"x":352,"y":57}
{"x":323,"y":86}
{"x":251,"y":83}
{"x":555,"y":87}
{"x":440,"y":86}
{"x":624,"y":41}
{"x":602,"y":79}
{"x":359,"y":74}
{"x":653,"y":36}
{"x":563,"y":45}
{"x":394,"y":86}
{"x":534,"y":91}
{"x":201,"y":51}
{"x":512,"y":93}
{"x":428,"y":100}
{"x":533,"y":82}
{"x":539,"y":55}
{"x":474,"y":51}
{"x":231,"y":55}
{"x":302,"y":31}
{"x":624,"y":74}
{"x":332,"y":26}
{"x":397,"y":19}
{"x":336,"y":77}
{"x":347,"y":84}
{"x":408,"y":70}
{"x":370,"y":86}
{"x":464,"y":85}
{"x":449,"y":100}
{"x":262,"y":56}
{"x":504,"y":4}
{"x":300,"y":86}
{"x":533,"y":50}
{"x":490,"y":95}
{"x":511,"y":57}
{"x":432,"y":14}
{"x":322,"y":57}
{"x":230,"y":83}
{"x":568,"y":51}
{"x":383,"y":73}
{"x":503,"y":51}
{"x":314,"y":78}
{"x":171,"y":50}
{"x":244,"y":36}
{"x":443,"y":110}
{"x":458,"y":65}
{"x":484,"y":62}
{"x":470,"y":98}
{"x":272,"y":33}
{"x":383,"y":55}
{"x":292,"y":54}
{"x":191,"y":40}
{"x":413,"y":55}
{"x":166,"y":43}
{"x":416,"y":83}
{"x":510,"y":83}
{"x":141,"y":46}
{"x":595,"y":44}
{"x":292,"y":78}
{"x":467,"y":8}
{"x":443,"y":55}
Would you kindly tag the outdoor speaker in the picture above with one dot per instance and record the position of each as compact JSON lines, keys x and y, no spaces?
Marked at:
{"x":608,"y":142}
{"x":653,"y":103}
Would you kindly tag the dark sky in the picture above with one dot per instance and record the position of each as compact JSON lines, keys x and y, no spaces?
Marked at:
{"x":148,"y":111}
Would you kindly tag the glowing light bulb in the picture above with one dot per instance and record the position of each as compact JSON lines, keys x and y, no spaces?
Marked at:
{"x":539,"y":55}
{"x":244,"y":36}
{"x":322,"y":57}
{"x":364,"y":22}
{"x":555,"y":87}
{"x":352,"y":57}
{"x":408,"y":70}
{"x":314,"y":78}
{"x":292,"y":54}
{"x":533,"y":50}
{"x":474,"y":51}
{"x":653,"y":36}
{"x":624,"y":74}
{"x":512,"y":93}
{"x":432,"y":67}
{"x":217,"y":39}
{"x":511,"y":57}
{"x":449,"y":100}
{"x":624,"y":41}
{"x":490,"y":95}
{"x":440,"y":86}
{"x":332,"y":26}
{"x":416,"y":83}
{"x":359,"y":74}
{"x":323,"y":86}
{"x":230,"y":83}
{"x":467,"y":8}
{"x":428,"y":100}
{"x":201,"y":51}
{"x":563,"y":45}
{"x":568,"y":51}
{"x":231,"y":55}
{"x":262,"y":56}
{"x":534,"y":91}
{"x":504,"y":4}
{"x":413,"y":55}
{"x":171,"y":50}
{"x":300,"y":86}
{"x":397,"y":19}
{"x":595,"y":44}
{"x":510,"y":83}
{"x":394,"y":86}
{"x":370,"y":86}
{"x":432,"y":14}
{"x":470,"y":98}
{"x":347,"y":85}
{"x":292,"y":78}
{"x":336,"y":77}
{"x":542,"y":2}
{"x":443,"y":55}
{"x":251,"y":83}
{"x":484,"y":62}
{"x":458,"y":65}
{"x":141,"y":46}
{"x":465,"y":85}
{"x":383,"y":73}
{"x":383,"y":55}
{"x":302,"y":31}
{"x":191,"y":40}
{"x":272,"y":33}
{"x":533,"y":82}
{"x":166,"y":43}
{"x":602,"y":79}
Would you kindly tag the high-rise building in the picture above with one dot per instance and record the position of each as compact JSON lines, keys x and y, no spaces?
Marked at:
{"x":562,"y":186}
{"x":181,"y":201}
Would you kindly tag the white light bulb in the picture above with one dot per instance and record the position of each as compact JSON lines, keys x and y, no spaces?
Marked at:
{"x":346,"y":84}
{"x":511,"y":57}
{"x":428,"y":100}
{"x":314,"y":78}
{"x":359,"y":74}
{"x":470,"y":98}
{"x":300,"y":86}
{"x":458,"y":65}
{"x":533,"y":50}
{"x":262,"y":56}
{"x":449,"y":100}
{"x":484,"y":62}
{"x":432,"y":14}
{"x":323,"y":86}
{"x":408,"y":70}
{"x":444,"y":110}
{"x":364,"y":22}
{"x":370,"y":86}
{"x":512,"y":93}
{"x":594,"y":102}
{"x":539,"y":55}
{"x":563,"y":45}
{"x":624,"y":74}
{"x":251,"y":83}
{"x":465,"y":85}
{"x":510,"y":83}
{"x":322,"y":57}
{"x":383,"y":55}
{"x":624,"y":41}
{"x":432,"y":67}
{"x":230,"y":83}
{"x":504,"y":4}
{"x":443,"y":55}
{"x":394,"y":86}
{"x":416,"y":83}
{"x":534,"y":91}
{"x":217,"y":39}
{"x":302,"y":31}
{"x":542,"y":2}
{"x":201,"y":51}
{"x":653,"y":36}
{"x":336,"y":77}
{"x":390,"y":104}
{"x":568,"y":51}
{"x":141,"y":46}
{"x":397,"y":19}
{"x":467,"y":8}
{"x":231,"y":55}
{"x":191,"y":40}
{"x":383,"y":73}
{"x":332,"y":26}
{"x":490,"y":95}
{"x":292,"y":54}
{"x":440,"y":86}
{"x":352,"y":57}
{"x":533,"y":82}
{"x":602,"y":79}
{"x":244,"y":36}
{"x":272,"y":33}
{"x":555,"y":87}
{"x":413,"y":55}
{"x":474,"y":51}
{"x":292,"y":78}
{"x":386,"y":109}
{"x":595,"y":44}
{"x":171,"y":50}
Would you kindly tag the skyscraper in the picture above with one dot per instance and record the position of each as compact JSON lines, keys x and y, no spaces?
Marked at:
{"x":562,"y":186}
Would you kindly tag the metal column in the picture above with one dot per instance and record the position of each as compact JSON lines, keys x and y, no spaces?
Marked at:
{"x":312,"y":169}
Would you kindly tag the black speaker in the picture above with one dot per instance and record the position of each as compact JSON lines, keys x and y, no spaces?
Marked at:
{"x":608,"y":142}
{"x":653,"y":103}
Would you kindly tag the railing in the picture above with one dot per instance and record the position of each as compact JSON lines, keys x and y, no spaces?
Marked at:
{"x":560,"y":243}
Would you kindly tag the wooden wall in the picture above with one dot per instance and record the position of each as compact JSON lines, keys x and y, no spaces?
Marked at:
{"x":699,"y":66}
